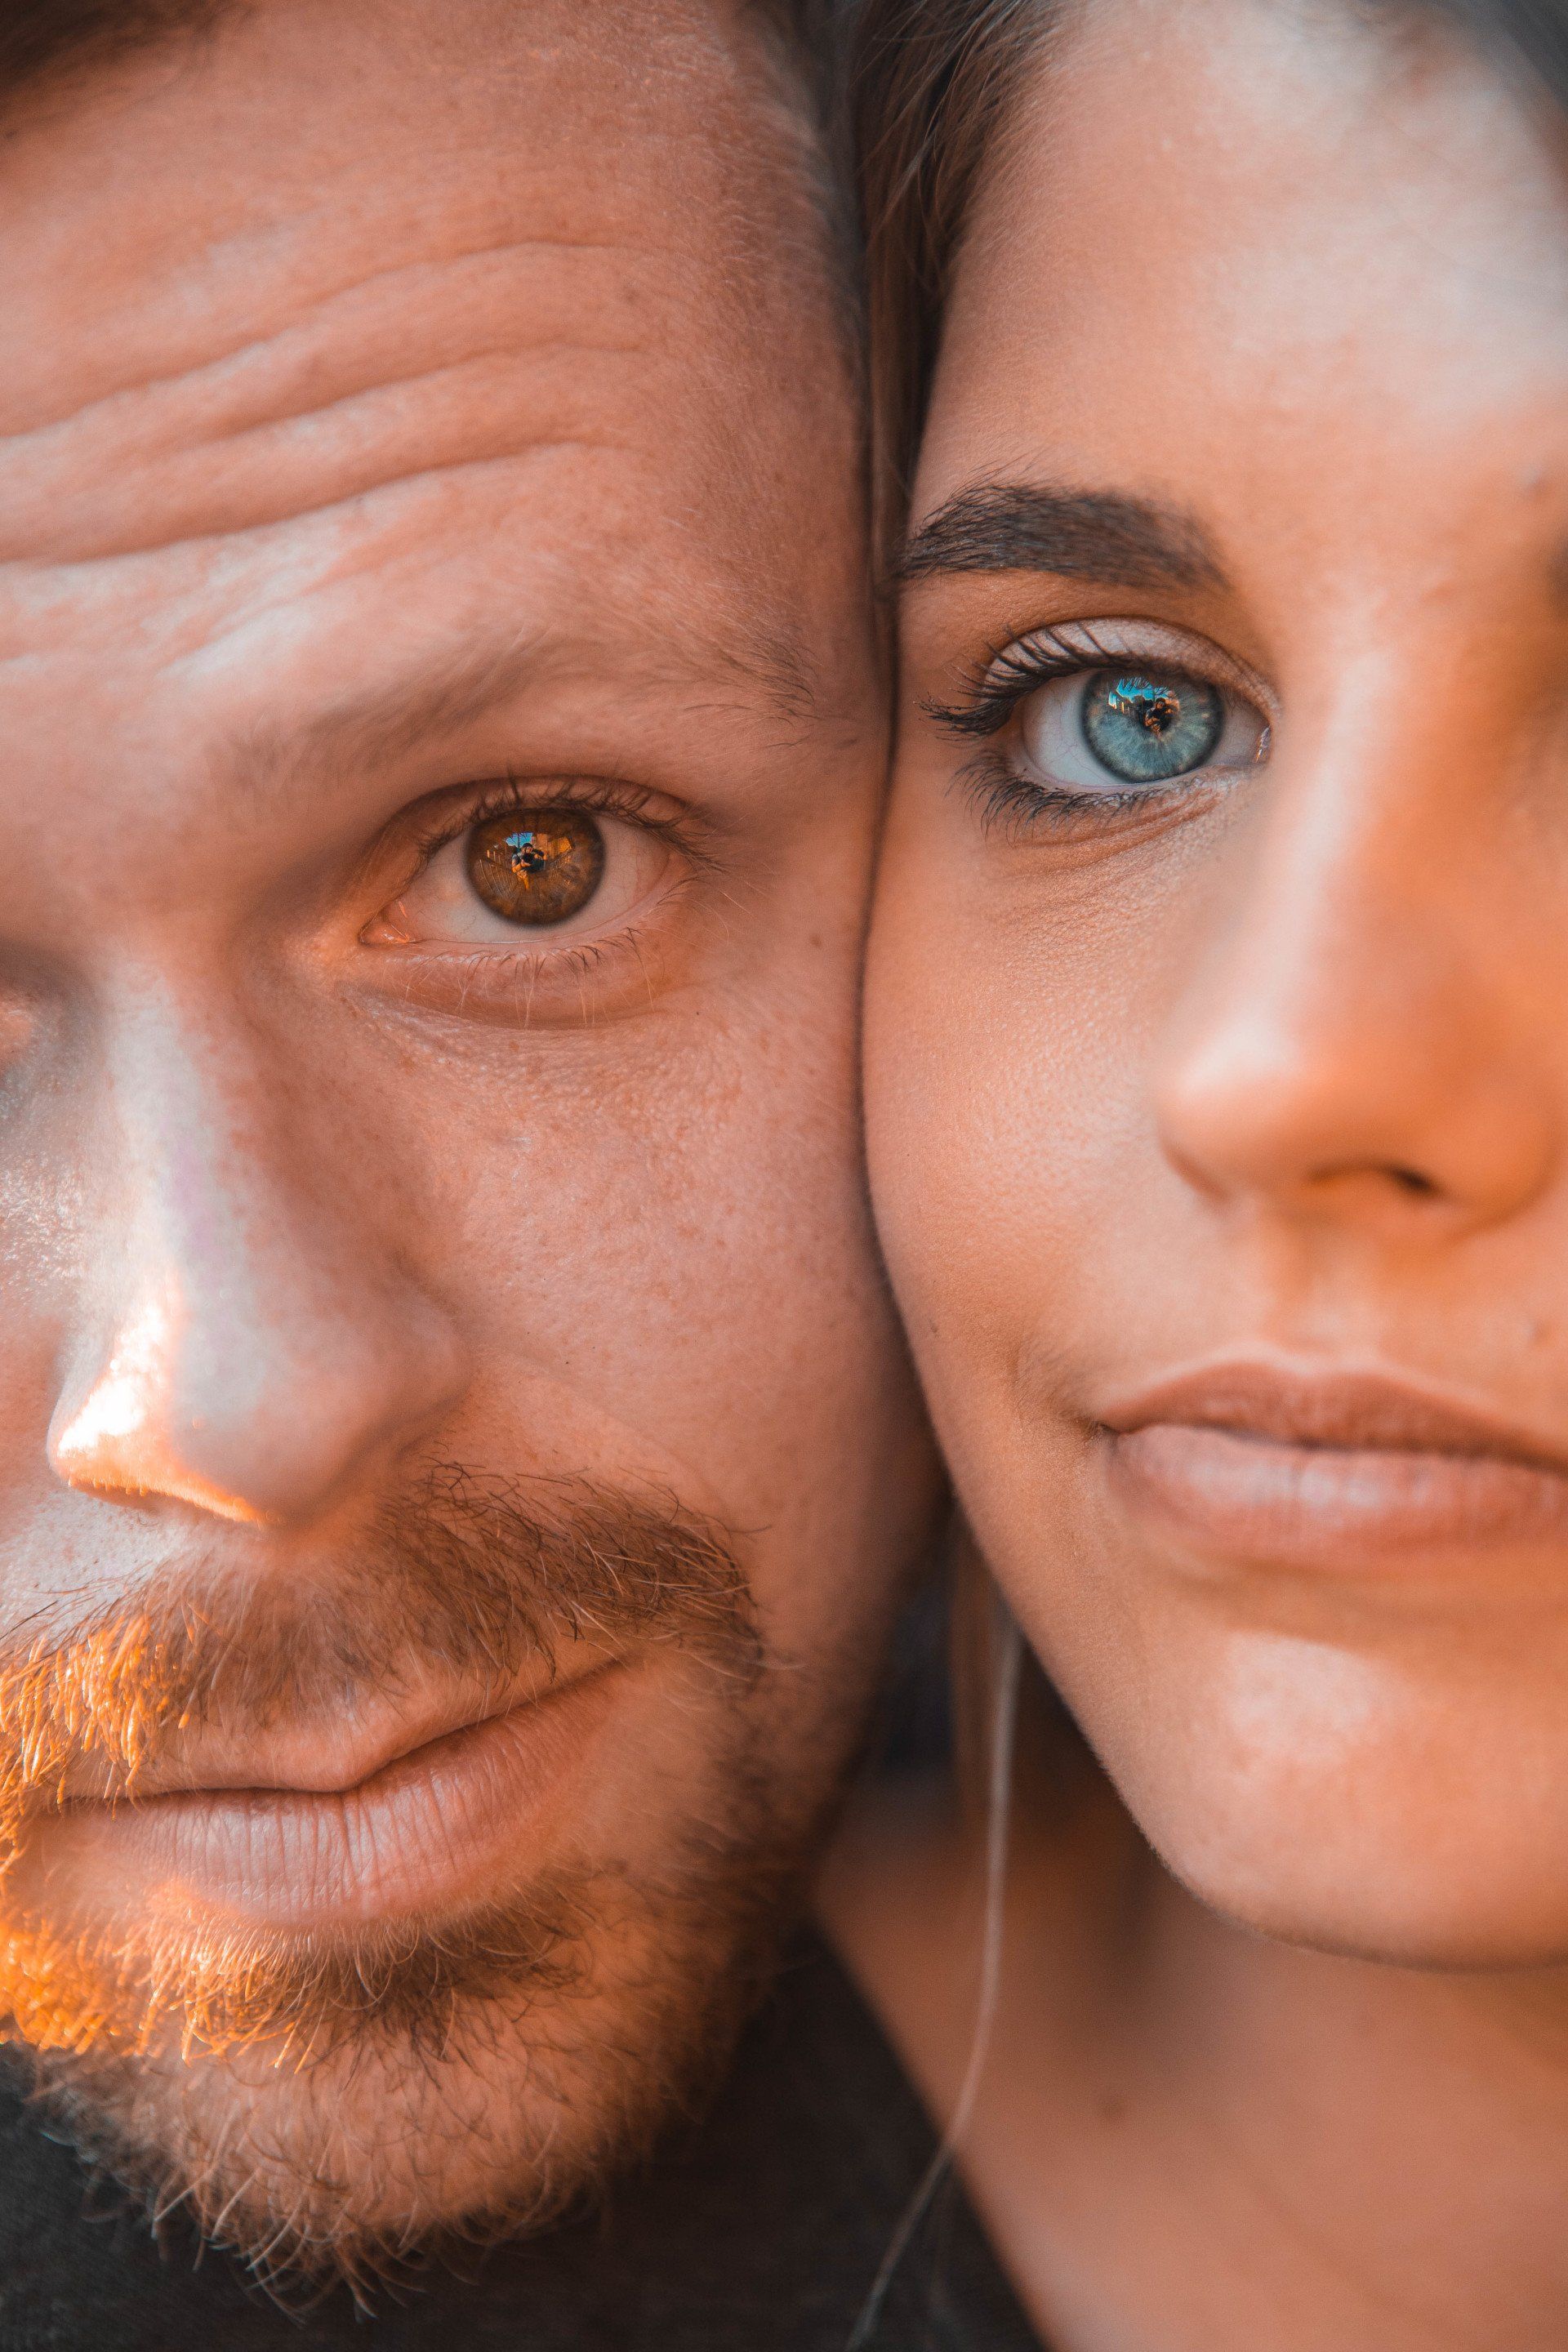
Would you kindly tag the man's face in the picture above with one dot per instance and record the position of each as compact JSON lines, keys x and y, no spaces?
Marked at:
{"x":456,"y":1459}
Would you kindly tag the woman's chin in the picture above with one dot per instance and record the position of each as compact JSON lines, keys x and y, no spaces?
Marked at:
{"x":1334,"y":1871}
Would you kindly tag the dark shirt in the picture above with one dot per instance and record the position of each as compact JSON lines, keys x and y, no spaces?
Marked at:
{"x":761,"y":2229}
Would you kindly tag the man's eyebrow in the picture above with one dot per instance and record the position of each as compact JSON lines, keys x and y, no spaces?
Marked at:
{"x":456,"y":690}
{"x":435,"y":697}
{"x":1080,"y":534}
{"x":396,"y":721}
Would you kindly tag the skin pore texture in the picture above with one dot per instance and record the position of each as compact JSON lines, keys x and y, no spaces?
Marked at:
{"x":1218,"y":1131}
{"x":436,"y":1607}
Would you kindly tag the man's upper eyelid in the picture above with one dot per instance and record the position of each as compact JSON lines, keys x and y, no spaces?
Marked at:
{"x":447,"y":814}
{"x":407,"y":842}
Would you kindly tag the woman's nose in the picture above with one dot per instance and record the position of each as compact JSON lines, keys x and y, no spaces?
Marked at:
{"x":1354,"y":1047}
{"x":248,"y":1339}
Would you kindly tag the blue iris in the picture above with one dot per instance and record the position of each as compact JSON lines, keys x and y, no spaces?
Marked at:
{"x":1147,"y":726}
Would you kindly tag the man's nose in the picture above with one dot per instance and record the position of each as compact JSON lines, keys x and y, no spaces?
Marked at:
{"x":1361,"y":1044}
{"x":250,"y":1339}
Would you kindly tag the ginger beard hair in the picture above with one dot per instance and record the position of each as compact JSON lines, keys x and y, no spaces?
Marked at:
{"x":324,"y":2105}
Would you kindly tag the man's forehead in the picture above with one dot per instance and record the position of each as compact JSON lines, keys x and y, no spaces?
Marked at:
{"x":319,"y":286}
{"x":332,"y":200}
{"x":274,"y":397}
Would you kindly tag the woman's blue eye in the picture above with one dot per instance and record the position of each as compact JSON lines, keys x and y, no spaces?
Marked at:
{"x":1124,"y":734}
{"x":1147,"y":726}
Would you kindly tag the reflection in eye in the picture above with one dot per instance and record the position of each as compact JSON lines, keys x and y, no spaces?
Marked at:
{"x":1116,"y":728}
{"x":1144,"y":729}
{"x":538,"y":868}
{"x":523,"y":877}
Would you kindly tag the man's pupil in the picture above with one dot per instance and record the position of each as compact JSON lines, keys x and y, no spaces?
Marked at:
{"x":532,"y":853}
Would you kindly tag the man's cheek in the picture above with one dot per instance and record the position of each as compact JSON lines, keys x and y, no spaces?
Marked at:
{"x":606,"y":1270}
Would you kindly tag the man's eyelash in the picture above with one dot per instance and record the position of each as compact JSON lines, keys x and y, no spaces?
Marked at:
{"x":1012,"y":674}
{"x":516,"y":795}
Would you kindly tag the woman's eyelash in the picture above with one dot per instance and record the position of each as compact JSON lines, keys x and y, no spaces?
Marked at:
{"x":1012,"y":673}
{"x":1008,"y":802}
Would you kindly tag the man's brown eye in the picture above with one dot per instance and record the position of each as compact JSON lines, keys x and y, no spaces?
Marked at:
{"x":537,"y":868}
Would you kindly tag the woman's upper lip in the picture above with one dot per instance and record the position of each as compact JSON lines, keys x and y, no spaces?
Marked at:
{"x":1353,"y":1410}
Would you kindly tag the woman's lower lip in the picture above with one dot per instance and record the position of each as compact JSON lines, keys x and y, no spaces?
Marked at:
{"x":1267,"y":1501}
{"x":454,"y":1822}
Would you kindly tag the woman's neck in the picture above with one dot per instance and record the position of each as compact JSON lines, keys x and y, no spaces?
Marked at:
{"x":1189,"y":2136}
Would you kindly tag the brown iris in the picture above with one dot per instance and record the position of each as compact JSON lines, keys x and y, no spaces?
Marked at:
{"x":540,"y":867}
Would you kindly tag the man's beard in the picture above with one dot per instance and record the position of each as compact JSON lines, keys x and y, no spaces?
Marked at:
{"x":262,"y":2079}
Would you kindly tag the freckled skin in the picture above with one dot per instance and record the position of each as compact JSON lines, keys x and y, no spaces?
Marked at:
{"x":361,"y":345}
{"x":1281,"y":1068}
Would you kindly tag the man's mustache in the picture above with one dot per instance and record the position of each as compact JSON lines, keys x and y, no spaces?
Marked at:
{"x":464,"y":1580}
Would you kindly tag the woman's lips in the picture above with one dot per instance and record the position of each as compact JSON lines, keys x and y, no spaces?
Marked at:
{"x":457,"y":1821}
{"x":1278,"y":1465}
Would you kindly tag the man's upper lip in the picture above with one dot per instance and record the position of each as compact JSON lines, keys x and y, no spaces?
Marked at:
{"x":1312,"y":1405}
{"x":302,"y":1762}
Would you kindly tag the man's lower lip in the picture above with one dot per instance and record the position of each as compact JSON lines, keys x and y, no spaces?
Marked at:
{"x":1267,"y":1501}
{"x":454,"y":1824}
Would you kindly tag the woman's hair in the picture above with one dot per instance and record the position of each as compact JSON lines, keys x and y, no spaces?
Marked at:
{"x":931,"y":83}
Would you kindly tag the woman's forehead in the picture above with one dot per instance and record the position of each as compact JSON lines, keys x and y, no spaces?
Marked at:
{"x":1226,"y":202}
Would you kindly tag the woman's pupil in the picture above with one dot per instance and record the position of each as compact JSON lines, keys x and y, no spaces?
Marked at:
{"x":1150,"y":729}
{"x":1153,"y":707}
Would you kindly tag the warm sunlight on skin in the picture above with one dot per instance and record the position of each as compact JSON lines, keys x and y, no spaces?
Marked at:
{"x":118,"y":1418}
{"x":1217,"y":1069}
{"x":442,"y":745}
{"x":1256,"y":1080}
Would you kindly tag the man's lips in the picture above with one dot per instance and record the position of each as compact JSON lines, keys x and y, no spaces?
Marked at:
{"x":440,"y":1826}
{"x":1296,"y":1465}
{"x":327,"y":1752}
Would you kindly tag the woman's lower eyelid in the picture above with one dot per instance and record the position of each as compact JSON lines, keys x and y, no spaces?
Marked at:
{"x":1006,"y":798}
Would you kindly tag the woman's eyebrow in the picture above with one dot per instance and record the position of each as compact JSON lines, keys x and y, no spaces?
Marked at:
{"x":1080,"y":534}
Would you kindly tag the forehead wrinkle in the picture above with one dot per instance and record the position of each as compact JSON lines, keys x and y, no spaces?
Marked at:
{"x":304,"y":329}
{"x":190,"y":598}
{"x":341,"y":396}
{"x":191,"y":531}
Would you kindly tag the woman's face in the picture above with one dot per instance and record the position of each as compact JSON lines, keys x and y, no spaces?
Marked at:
{"x":1218,"y":1029}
